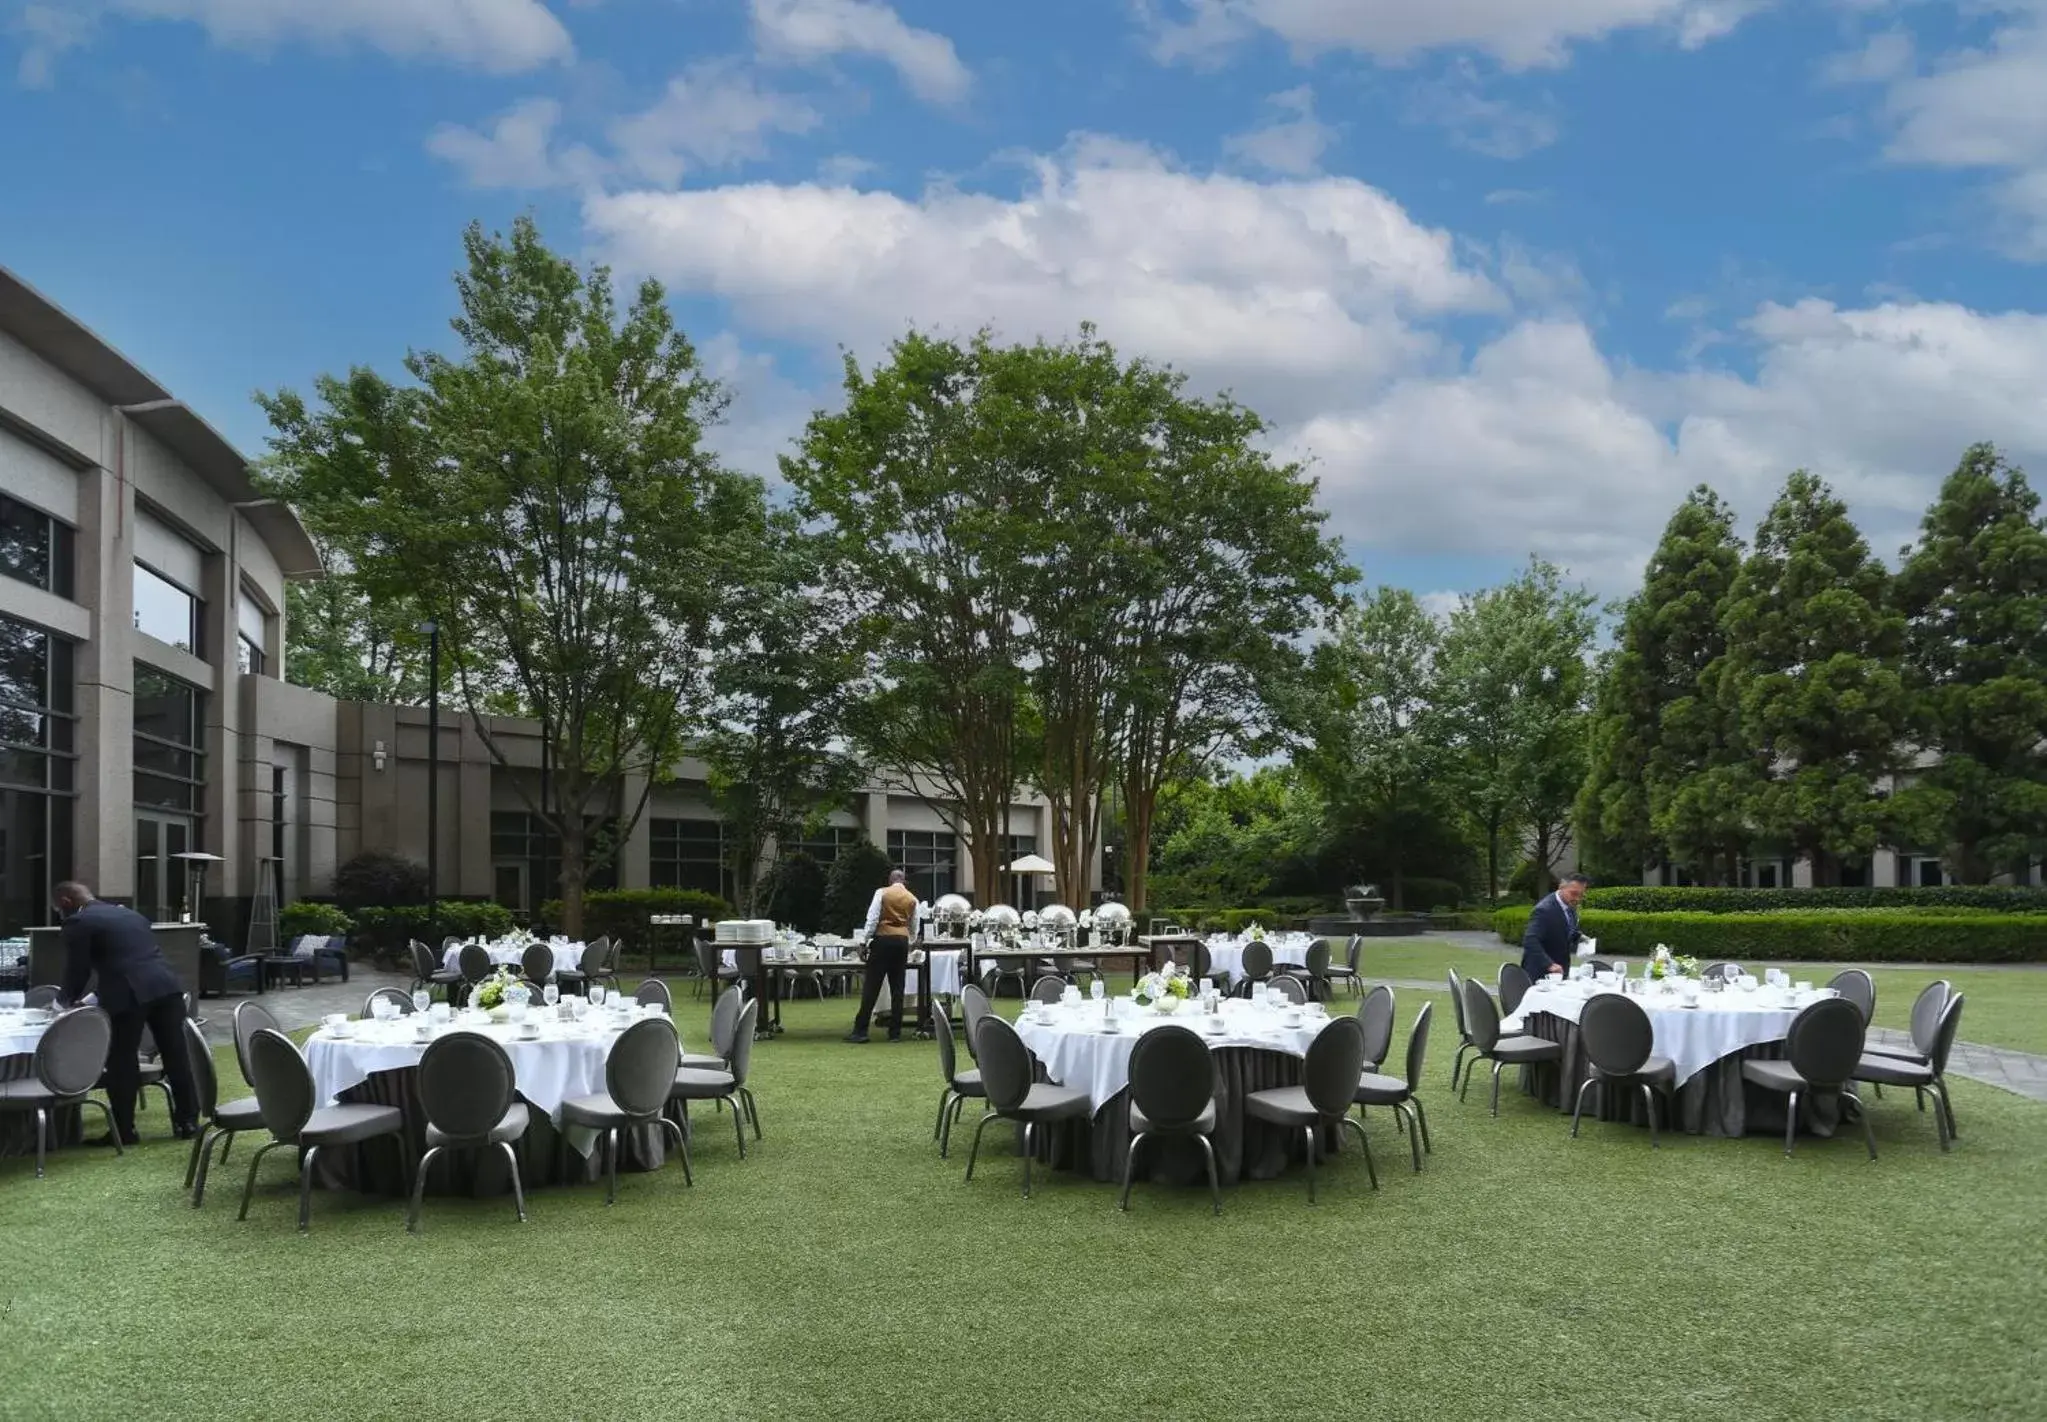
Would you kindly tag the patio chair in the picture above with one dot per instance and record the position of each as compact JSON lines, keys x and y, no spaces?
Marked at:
{"x":1859,"y":988}
{"x":1049,"y":989}
{"x":639,"y":1073}
{"x":1256,"y":966}
{"x":474,"y":960}
{"x":1375,"y":1015}
{"x":1289,"y":985}
{"x":1927,"y":1076}
{"x":1926,"y":1011}
{"x":284,"y":1093}
{"x":959,"y":1085}
{"x":399,"y":996}
{"x":724,"y":1028}
{"x":1348,"y":970}
{"x":44,"y":995}
{"x":710,"y":967}
{"x":600,"y":962}
{"x":1014,"y":1096}
{"x":1375,"y":1089}
{"x":1313,"y":974}
{"x":1821,"y":1053}
{"x":697,"y":1084}
{"x":1723,"y":971}
{"x":1482,"y":1022}
{"x":1172,"y":1093}
{"x":466,"y":1090}
{"x":69,"y":1058}
{"x":1329,"y":1084}
{"x":1463,"y":1030}
{"x":218,"y":1122}
{"x":974,"y":1006}
{"x":1514,"y":985}
{"x":251,"y":1018}
{"x":537,"y":962}
{"x":428,"y":974}
{"x":655,"y":991}
{"x":1619,"y":1042}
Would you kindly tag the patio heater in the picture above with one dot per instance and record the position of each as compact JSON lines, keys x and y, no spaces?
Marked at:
{"x":197,"y":862}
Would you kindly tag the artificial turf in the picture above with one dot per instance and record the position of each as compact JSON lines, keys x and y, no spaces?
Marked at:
{"x":843,"y":1270}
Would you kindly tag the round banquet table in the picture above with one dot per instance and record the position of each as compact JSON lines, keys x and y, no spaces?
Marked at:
{"x":1256,"y":1051}
{"x":1706,"y":1044}
{"x":18,"y":1039}
{"x":378,"y":1064}
{"x":568,"y":957}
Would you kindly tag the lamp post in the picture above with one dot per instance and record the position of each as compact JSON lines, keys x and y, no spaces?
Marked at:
{"x":433,"y":781}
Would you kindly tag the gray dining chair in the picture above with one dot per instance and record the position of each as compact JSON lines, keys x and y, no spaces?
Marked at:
{"x":1048,"y":989}
{"x":652,"y":992}
{"x":468,"y":1092}
{"x":1927,"y":1077}
{"x":1256,"y":967}
{"x":1172,"y":1093}
{"x":398,"y":996}
{"x":1329,"y":1084}
{"x":1376,"y":1089}
{"x":1349,"y":970}
{"x":1289,"y":986}
{"x":605,"y":967}
{"x":1313,"y":975}
{"x":251,"y":1018}
{"x":1723,"y":971}
{"x":1463,"y":1030}
{"x":1482,"y":1021}
{"x":959,"y":1085}
{"x":38,"y":997}
{"x":1926,"y":1011}
{"x":285,"y":1095}
{"x":429,"y":974}
{"x":1013,"y":1096}
{"x":1619,"y":1044}
{"x":219,"y":1121}
{"x":1859,"y":988}
{"x":701,"y":1084}
{"x":639,"y":1072}
{"x":974,"y":1005}
{"x":710,"y":967}
{"x":1599,"y":965}
{"x":1821,"y":1053}
{"x":1375,"y":1015}
{"x":69,"y":1058}
{"x":724,"y":1025}
{"x":474,"y":961}
{"x":1514,"y":985}
{"x":537,"y":962}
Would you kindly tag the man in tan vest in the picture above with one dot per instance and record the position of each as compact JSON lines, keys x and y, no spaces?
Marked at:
{"x":891,"y":920}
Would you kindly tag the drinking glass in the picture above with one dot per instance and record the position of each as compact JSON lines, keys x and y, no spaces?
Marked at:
{"x":1096,"y":990}
{"x":597,"y":994}
{"x":551,"y":994}
{"x":421,"y":999}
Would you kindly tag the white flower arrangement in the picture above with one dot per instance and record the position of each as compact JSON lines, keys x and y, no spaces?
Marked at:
{"x":1663,"y":963}
{"x":1166,"y":989}
{"x":1255,"y":933}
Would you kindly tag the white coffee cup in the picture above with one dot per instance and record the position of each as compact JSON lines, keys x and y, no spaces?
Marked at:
{"x":334,"y":1021}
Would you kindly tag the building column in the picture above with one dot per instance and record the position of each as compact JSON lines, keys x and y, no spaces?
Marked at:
{"x":874,"y":818}
{"x":635,"y":856}
{"x":102,"y":851}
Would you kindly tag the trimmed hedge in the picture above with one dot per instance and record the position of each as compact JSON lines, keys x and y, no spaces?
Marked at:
{"x":1965,"y":897}
{"x":621,"y":914}
{"x":307,"y":916}
{"x":388,"y":930}
{"x":1812,"y":936}
{"x":1203,"y":920}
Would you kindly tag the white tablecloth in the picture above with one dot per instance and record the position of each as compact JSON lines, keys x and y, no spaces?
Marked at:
{"x":567,"y":1061}
{"x":1693,"y":1038}
{"x":19,"y":1038}
{"x":1076,"y":1051}
{"x":1226,"y":955}
{"x":568,"y":957}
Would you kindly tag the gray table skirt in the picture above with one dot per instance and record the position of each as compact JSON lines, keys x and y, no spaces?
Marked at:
{"x":1245,"y":1148}
{"x":1712,"y":1102}
{"x":376,"y":1168}
{"x":18,"y":1128}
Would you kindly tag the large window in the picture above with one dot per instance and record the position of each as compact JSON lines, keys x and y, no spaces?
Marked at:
{"x":928,"y":859}
{"x":166,"y":611}
{"x":827,"y":844}
{"x":170,"y":767}
{"x":687,"y":854}
{"x":252,"y":635}
{"x":35,"y":547}
{"x":526,"y":864}
{"x":37,"y":771}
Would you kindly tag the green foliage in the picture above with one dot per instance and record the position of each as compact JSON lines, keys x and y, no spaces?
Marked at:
{"x":1232,"y":841}
{"x":348,"y":644}
{"x":860,"y":869}
{"x":388,"y":930}
{"x":1424,"y":893}
{"x":1974,"y":596}
{"x":621,"y":914}
{"x":1218,"y":920}
{"x":1948,"y":898}
{"x":378,"y":879}
{"x":306,"y":916}
{"x":1812,"y":935}
{"x":796,"y":892}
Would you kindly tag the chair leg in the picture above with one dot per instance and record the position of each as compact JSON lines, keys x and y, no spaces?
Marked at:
{"x":1403,"y":1116}
{"x":739,"y":1125}
{"x":107,"y":1111}
{"x":1457,"y":1064}
{"x":1309,"y":1133}
{"x":1130,"y":1164}
{"x":518,"y":1185}
{"x":306,"y":1189}
{"x":230,"y":1145}
{"x":1370,"y":1169}
{"x":1790,"y":1124}
{"x":419,"y":1190}
{"x":1579,"y":1105}
{"x":973,"y":1154}
{"x":682,"y":1147}
{"x":944,"y":1101}
{"x":1421,"y":1116}
{"x":1464,"y":1092}
{"x":1940,"y":1118}
{"x":1947,"y":1105}
{"x":945,"y":1120}
{"x":222,"y":1139}
{"x":42,"y":1136}
{"x":753,"y":1110}
{"x":1649,"y":1101}
{"x":1868,"y":1131}
{"x":192,"y":1162}
{"x":611,"y":1166}
{"x":1029,"y":1151}
{"x":1496,"y":1087}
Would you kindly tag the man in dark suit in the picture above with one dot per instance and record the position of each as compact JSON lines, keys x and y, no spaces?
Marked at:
{"x":138,"y":989}
{"x":1552,"y":933}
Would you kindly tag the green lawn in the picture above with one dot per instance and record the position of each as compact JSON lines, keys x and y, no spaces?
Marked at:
{"x":2007,"y":1007}
{"x":844,"y":1270}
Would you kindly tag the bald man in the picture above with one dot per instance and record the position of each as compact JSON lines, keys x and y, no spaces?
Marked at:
{"x":891,"y":919}
{"x":138,"y":990}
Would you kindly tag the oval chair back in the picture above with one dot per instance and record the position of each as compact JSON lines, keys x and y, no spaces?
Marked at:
{"x":44,"y":995}
{"x":1418,"y":1045}
{"x":1375,"y":1015}
{"x":251,"y":1018}
{"x":1336,"y":1059}
{"x":725,"y":1022}
{"x":465,"y":1085}
{"x":1289,"y":987}
{"x":474,"y":960}
{"x":1481,"y":1018}
{"x":1457,"y":1002}
{"x":1617,"y":1035}
{"x":1859,"y":988}
{"x":707,"y":958}
{"x":1354,"y":953}
{"x":1199,"y":964}
{"x":1048,"y":989}
{"x":204,"y":1077}
{"x":73,"y":1051}
{"x":974,"y":1007}
{"x":639,"y":1072}
{"x":388,"y":994}
{"x":423,"y":964}
{"x":1005,"y":1063}
{"x":284,"y":1086}
{"x":1926,"y":1014}
{"x":1944,"y":1035}
{"x":537,"y":962}
{"x":1318,"y":962}
{"x":601,"y":958}
{"x":654,"y":990}
{"x":741,"y":1059}
{"x":1257,"y":964}
{"x":948,"y":1053}
{"x":1514,"y":984}
{"x":1825,"y":1042}
{"x":1172,"y":1077}
{"x":1727,"y":971}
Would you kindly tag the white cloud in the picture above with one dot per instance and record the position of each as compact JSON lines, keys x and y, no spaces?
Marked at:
{"x":46,"y":33}
{"x":714,"y":115}
{"x":1292,"y":144}
{"x":1495,"y":128}
{"x":1519,"y":33}
{"x":1882,"y":57}
{"x":1441,"y":603}
{"x":501,"y":36}
{"x":842,"y":170}
{"x":808,"y":31}
{"x":517,"y":152}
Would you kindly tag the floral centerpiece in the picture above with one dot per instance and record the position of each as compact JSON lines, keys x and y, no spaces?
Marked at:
{"x":1165,"y":990}
{"x":1255,"y":933}
{"x":1665,"y":964}
{"x":490,"y":992}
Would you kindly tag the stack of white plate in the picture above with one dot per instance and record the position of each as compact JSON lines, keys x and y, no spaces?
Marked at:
{"x":750,"y":932}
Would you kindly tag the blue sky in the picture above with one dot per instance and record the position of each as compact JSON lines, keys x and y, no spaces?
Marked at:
{"x":1512,"y":274}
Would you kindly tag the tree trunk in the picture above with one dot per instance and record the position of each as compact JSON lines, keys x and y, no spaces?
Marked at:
{"x":1492,"y":860}
{"x":1398,"y":898}
{"x":1139,"y":809}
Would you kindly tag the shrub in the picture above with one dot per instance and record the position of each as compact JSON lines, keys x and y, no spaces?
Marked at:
{"x":305,"y":916}
{"x":621,"y":914}
{"x":376,"y":879}
{"x":1203,"y":920}
{"x":1302,"y":905}
{"x":860,"y":869}
{"x":388,"y":930}
{"x":1470,"y":921}
{"x":1417,"y":892}
{"x":796,"y":890}
{"x":1812,"y":935}
{"x":1966,"y":897}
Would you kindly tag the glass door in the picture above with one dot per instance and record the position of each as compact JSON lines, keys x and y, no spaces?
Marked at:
{"x":159,"y":874}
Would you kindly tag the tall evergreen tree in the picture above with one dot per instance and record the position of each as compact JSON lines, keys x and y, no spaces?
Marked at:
{"x":1649,"y":736}
{"x":1973,"y":593}
{"x":1812,"y":676}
